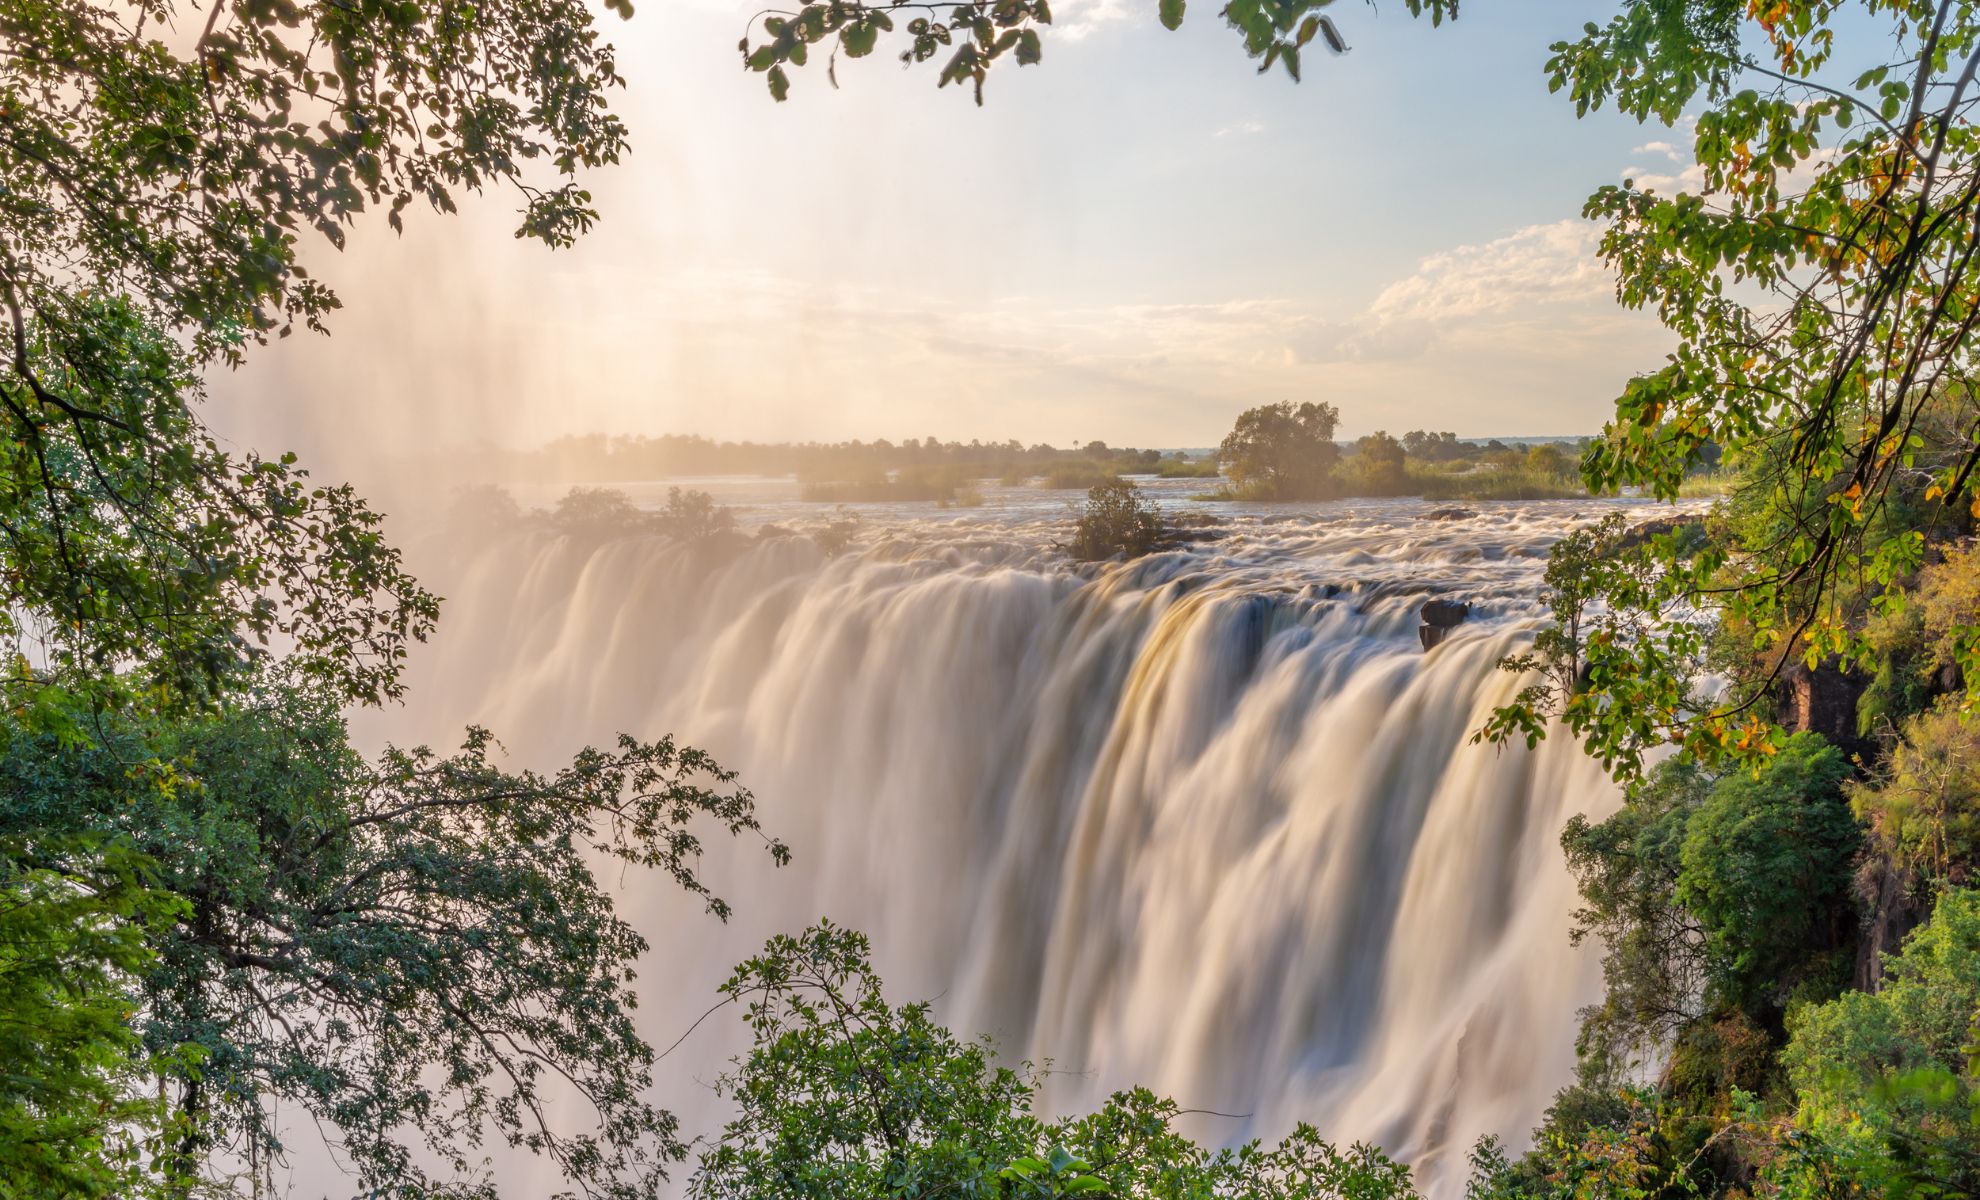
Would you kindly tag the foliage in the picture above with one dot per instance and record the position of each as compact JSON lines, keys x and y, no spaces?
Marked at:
{"x":1118,"y":520}
{"x":1820,"y":284}
{"x":133,"y":541}
{"x":412,"y":951}
{"x":972,"y":36}
{"x":694,"y":517}
{"x":1489,"y":483}
{"x":409,"y":950}
{"x":1917,"y":644}
{"x":1281,"y":451}
{"x":1601,"y":660}
{"x":1654,"y":965}
{"x":75,"y":912}
{"x":595,"y":512}
{"x":1895,"y":1067}
{"x":1923,"y":813}
{"x":1181,"y":468}
{"x":1378,"y":467}
{"x":843,"y":1094}
{"x":155,"y":190}
{"x":186,"y":173}
{"x":1766,"y":871}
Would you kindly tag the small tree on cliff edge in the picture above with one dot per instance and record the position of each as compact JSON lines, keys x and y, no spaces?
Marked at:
{"x":1282,"y":451}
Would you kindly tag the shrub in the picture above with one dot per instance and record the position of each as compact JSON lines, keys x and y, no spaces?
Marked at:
{"x":1067,"y":476}
{"x":596,"y":512}
{"x":693,"y":516}
{"x":1378,"y":467}
{"x":1182,"y":468}
{"x":1118,"y":521}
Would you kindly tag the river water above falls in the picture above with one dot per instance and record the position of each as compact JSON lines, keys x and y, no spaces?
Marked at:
{"x":1209,"y":821}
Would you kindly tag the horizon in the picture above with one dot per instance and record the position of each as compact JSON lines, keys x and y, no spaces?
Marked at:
{"x":1083,"y":253}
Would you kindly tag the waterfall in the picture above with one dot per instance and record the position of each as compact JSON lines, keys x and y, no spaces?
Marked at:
{"x":1210,"y":821}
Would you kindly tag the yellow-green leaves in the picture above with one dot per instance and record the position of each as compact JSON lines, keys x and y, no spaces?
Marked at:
{"x":1172,"y":13}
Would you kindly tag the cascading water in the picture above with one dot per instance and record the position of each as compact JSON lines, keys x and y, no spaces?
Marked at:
{"x":1210,"y":821}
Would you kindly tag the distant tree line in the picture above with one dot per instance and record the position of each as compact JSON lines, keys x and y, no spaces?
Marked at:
{"x":621,"y":458}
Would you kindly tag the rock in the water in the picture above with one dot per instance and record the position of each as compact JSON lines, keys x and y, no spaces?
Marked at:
{"x":1439,"y":618}
{"x":1445,"y":613}
{"x":1452,"y":513}
{"x":1643,"y":531}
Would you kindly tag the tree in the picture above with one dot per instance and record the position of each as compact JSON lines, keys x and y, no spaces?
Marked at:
{"x":1432,"y":447}
{"x":75,"y":1120}
{"x":410,"y":951}
{"x":1118,"y":520}
{"x":844,"y":1094}
{"x":1766,"y":873}
{"x":1654,"y":966}
{"x":1545,"y":458}
{"x":154,"y":199}
{"x":1842,"y":382}
{"x":1379,"y":466}
{"x":693,"y":516}
{"x":1887,"y":1080}
{"x":406,"y":948}
{"x":1282,"y":452}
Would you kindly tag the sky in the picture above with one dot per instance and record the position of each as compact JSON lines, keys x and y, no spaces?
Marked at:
{"x":1133,"y":241}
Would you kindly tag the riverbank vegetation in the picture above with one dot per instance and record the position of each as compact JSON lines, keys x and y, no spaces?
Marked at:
{"x":1287,"y":452}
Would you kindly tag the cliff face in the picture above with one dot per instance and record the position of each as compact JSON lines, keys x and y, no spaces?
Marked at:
{"x":1823,"y":700}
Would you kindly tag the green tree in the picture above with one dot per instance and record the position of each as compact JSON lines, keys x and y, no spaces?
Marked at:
{"x":1888,"y":1079}
{"x":1654,"y":965}
{"x":1379,"y":466}
{"x":1282,"y":451}
{"x":1766,"y":871}
{"x":844,"y":1094}
{"x":408,"y":949}
{"x":412,"y":951}
{"x":75,"y":1119}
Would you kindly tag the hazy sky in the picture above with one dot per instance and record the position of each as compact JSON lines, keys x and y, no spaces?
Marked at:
{"x":1132,"y":241}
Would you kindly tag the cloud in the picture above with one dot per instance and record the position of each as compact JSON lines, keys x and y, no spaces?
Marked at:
{"x":1241,"y":129}
{"x":1664,"y":148}
{"x":1075,"y":19}
{"x":1535,"y":265}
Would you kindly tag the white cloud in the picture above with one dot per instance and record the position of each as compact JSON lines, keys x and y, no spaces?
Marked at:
{"x":1664,"y":148}
{"x":1075,"y":19}
{"x":1241,"y":129}
{"x":1536,"y":265}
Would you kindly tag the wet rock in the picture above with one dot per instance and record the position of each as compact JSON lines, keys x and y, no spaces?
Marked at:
{"x":1643,"y":531}
{"x":1450,"y":513}
{"x":1823,"y":700}
{"x":1439,"y":618}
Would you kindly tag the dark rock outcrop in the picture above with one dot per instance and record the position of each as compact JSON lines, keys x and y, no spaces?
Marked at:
{"x":1643,"y":531}
{"x":1439,"y":618}
{"x":1450,"y":513}
{"x":1823,"y":700}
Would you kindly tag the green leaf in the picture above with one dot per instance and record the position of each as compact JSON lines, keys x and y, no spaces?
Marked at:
{"x":1029,"y":50}
{"x":1172,"y":13}
{"x":860,"y":38}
